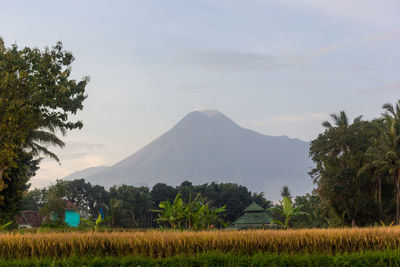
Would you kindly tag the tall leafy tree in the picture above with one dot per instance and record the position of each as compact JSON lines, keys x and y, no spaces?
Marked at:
{"x":235,"y":197}
{"x":339,"y":153}
{"x":131,"y":206}
{"x":376,"y":164}
{"x":163,"y":192}
{"x":37,"y":97}
{"x":390,"y":143}
{"x":17,"y":183}
{"x":311,"y":204}
{"x":34,"y":199}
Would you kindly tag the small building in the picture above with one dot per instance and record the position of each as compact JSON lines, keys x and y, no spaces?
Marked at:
{"x":71,"y":214}
{"x":254,"y":217}
{"x":28,"y":219}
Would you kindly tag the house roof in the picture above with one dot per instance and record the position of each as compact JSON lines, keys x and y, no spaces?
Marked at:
{"x":70,"y":206}
{"x":29,"y":217}
{"x":253,"y":207}
{"x":255,"y":215}
{"x":253,"y":218}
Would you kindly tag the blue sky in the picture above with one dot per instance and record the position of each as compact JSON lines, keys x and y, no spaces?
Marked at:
{"x":279,"y":67}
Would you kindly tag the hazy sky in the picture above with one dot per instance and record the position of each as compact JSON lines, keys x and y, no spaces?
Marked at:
{"x":275,"y":66}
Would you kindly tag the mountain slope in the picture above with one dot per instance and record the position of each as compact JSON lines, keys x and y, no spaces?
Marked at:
{"x":84,"y":173}
{"x":207,"y":146}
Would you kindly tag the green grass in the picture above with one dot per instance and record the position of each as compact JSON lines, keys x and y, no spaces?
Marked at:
{"x":386,"y":258}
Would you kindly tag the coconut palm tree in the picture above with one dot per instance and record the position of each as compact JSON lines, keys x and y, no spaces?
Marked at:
{"x":285,"y":192}
{"x":36,"y":144}
{"x":376,"y":163}
{"x":390,"y":142}
{"x":38,"y":140}
{"x":341,"y":145}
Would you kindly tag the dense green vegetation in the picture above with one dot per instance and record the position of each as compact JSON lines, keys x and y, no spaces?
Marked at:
{"x":288,"y":212}
{"x":130,"y":206}
{"x":357,"y":170}
{"x":387,"y":258}
{"x":195,"y":214}
{"x":37,"y":99}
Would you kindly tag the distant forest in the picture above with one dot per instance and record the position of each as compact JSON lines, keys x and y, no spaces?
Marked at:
{"x":131,"y":206}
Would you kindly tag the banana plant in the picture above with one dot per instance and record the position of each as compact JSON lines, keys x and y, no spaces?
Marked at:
{"x":95,"y":225}
{"x":4,"y":226}
{"x":287,"y":211}
{"x":211,"y":216}
{"x":173,"y":214}
{"x":192,"y":215}
{"x":193,"y":211}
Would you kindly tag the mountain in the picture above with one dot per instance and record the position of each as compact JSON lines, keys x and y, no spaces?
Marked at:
{"x":207,"y":146}
{"x":84,"y":173}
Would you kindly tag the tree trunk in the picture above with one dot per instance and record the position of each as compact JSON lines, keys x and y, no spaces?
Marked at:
{"x":353,"y":220}
{"x":380,"y":195}
{"x":2,"y":184}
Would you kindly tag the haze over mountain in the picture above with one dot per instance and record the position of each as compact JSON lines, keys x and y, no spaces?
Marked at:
{"x":84,"y":173}
{"x":206,"y":146}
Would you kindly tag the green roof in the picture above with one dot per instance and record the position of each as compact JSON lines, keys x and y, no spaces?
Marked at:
{"x":254,"y":216}
{"x":254,"y":207}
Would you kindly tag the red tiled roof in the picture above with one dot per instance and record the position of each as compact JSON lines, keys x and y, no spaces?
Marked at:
{"x":29,"y":217}
{"x":70,"y":206}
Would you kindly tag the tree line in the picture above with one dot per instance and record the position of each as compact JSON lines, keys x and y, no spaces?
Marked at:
{"x":130,"y":206}
{"x":357,"y":171}
{"x":185,"y":206}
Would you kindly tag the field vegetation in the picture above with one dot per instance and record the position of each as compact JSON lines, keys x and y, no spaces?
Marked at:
{"x":161,"y":244}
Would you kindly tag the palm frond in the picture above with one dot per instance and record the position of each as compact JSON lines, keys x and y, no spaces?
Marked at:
{"x":37,"y":149}
{"x":389,"y":108}
{"x":327,"y":124}
{"x":46,"y":138}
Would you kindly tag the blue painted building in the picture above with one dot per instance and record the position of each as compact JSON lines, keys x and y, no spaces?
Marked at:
{"x":71,"y":215}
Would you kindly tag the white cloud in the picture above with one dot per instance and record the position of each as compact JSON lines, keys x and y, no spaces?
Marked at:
{"x":236,"y":60}
{"x":354,"y":42}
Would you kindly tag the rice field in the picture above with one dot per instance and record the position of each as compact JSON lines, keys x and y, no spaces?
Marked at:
{"x":162,"y":244}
